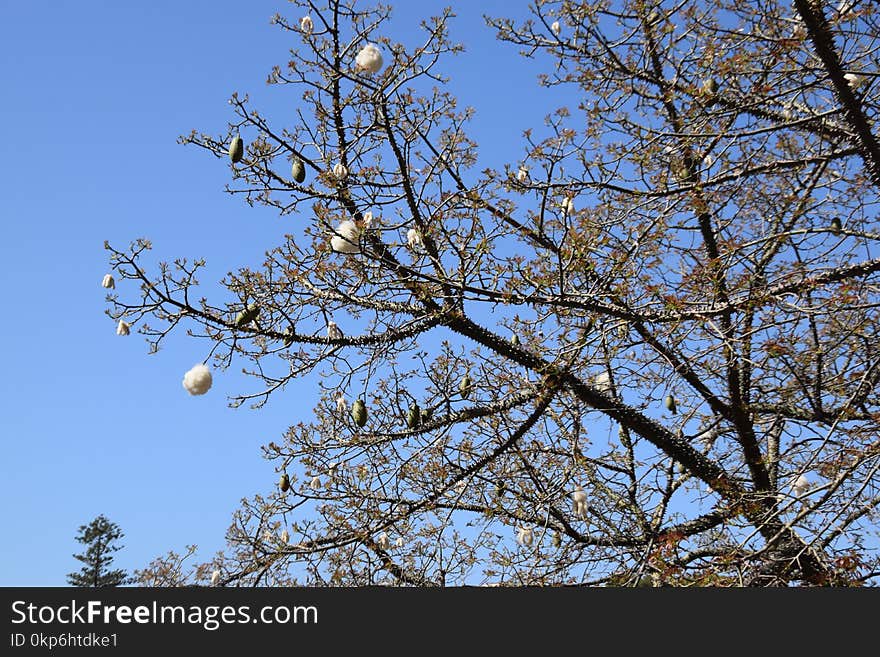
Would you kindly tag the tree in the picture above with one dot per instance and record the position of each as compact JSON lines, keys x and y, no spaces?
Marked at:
{"x":645,"y":352}
{"x":101,"y":536}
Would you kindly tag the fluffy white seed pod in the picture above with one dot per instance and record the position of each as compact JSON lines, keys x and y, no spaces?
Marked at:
{"x":579,"y":502}
{"x":108,"y":282}
{"x":522,"y":175}
{"x":316,"y":483}
{"x":285,"y":537}
{"x":399,"y":542}
{"x":340,"y":171}
{"x":854,"y":80}
{"x":347,"y":238}
{"x":215,"y":578}
{"x":460,"y":487}
{"x":306,"y":24}
{"x":123,"y":328}
{"x":198,"y":380}
{"x":369,"y":59}
{"x":333,"y":331}
{"x":341,"y":406}
{"x":555,"y":27}
{"x":383,"y":541}
{"x":801,"y":486}
{"x":368,"y":219}
{"x":525,"y":536}
{"x":568,"y":206}
{"x":414,"y":239}
{"x":602,"y":382}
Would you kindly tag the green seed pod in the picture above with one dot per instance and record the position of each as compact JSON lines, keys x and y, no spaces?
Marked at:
{"x":465,"y":386}
{"x":515,"y":339}
{"x":247,"y":315}
{"x":236,"y":149}
{"x":427,"y":414}
{"x":414,"y":417}
{"x":836,"y":226}
{"x":557,"y":539}
{"x":298,"y":170}
{"x":359,"y":412}
{"x":669,"y":403}
{"x":284,"y":483}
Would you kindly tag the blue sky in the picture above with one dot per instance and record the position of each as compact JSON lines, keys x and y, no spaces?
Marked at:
{"x":95,"y":94}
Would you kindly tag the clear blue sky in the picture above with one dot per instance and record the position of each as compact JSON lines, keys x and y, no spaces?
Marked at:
{"x":94,"y":95}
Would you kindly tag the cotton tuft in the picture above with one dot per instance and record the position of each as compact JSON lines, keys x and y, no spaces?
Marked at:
{"x":215,"y":578}
{"x":347,"y":238}
{"x":369,"y":59}
{"x":198,"y":380}
{"x":306,"y":24}
{"x":123,"y":328}
{"x":414,"y":239}
{"x":340,"y":171}
{"x":555,"y":28}
{"x":108,"y":282}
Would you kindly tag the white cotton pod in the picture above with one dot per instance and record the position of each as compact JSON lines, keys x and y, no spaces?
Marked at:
{"x":123,"y":328}
{"x":316,"y":483}
{"x":333,"y":331}
{"x":854,"y":80}
{"x":285,"y":536}
{"x":522,"y":175}
{"x":579,"y":502}
{"x":197,"y":381}
{"x":341,"y":406}
{"x":525,"y":536}
{"x":399,"y":542}
{"x":215,"y":578}
{"x":347,"y":238}
{"x":555,"y":27}
{"x":369,"y":59}
{"x":383,"y":541}
{"x":108,"y":282}
{"x":801,"y":486}
{"x":569,"y":207}
{"x":368,"y":219}
{"x":602,"y":382}
{"x":414,"y":239}
{"x":306,"y":24}
{"x":340,"y":171}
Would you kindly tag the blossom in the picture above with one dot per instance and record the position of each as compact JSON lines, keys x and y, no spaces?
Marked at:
{"x":333,"y":331}
{"x":801,"y":486}
{"x":306,"y":24}
{"x":285,"y":536}
{"x":316,"y":483}
{"x":215,"y":578}
{"x":123,"y":328}
{"x":555,"y":28}
{"x":522,"y":175}
{"x":197,"y":380}
{"x":347,"y":238}
{"x":525,"y":536}
{"x":108,"y":282}
{"x":341,"y":406}
{"x":340,"y":171}
{"x":383,"y":541}
{"x":579,"y":500}
{"x":414,"y":238}
{"x":369,"y":59}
